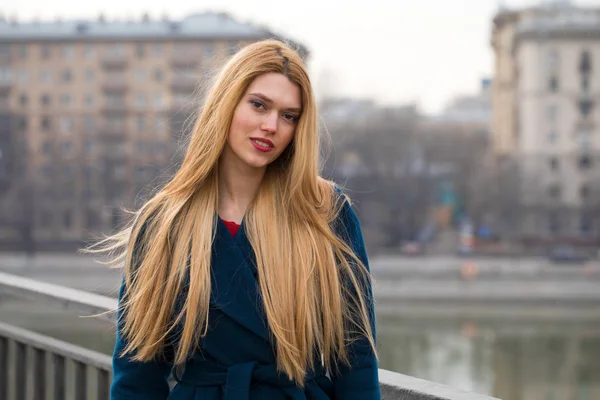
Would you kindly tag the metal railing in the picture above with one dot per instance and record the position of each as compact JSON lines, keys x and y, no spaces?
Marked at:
{"x":27,"y":356}
{"x":30,"y":362}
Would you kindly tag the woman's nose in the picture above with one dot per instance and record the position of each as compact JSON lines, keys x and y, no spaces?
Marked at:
{"x":270,"y":123}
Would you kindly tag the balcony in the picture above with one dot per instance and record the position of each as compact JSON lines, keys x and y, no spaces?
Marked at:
{"x":118,"y":107}
{"x":184,"y":83}
{"x":111,"y":134}
{"x":115,"y":84}
{"x":114,"y":61}
{"x":15,"y":343}
{"x":185,"y":59}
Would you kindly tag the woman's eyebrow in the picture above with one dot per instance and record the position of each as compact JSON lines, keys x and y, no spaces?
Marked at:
{"x":268,"y":100}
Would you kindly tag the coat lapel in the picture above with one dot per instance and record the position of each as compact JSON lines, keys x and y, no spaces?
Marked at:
{"x":234,"y":284}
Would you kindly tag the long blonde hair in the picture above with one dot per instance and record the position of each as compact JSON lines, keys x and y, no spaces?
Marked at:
{"x":311,"y":282}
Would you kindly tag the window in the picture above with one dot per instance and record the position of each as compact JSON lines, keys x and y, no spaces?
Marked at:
{"x":47,"y":172}
{"x":88,"y":172}
{"x":89,"y":75}
{"x":68,"y":51}
{"x":553,"y":59}
{"x":66,"y":124}
{"x":585,"y":62}
{"x":47,"y":147}
{"x":119,"y":172}
{"x":114,"y":99}
{"x":140,"y":123}
{"x":140,"y":75}
{"x":140,"y":147}
{"x":46,"y":76}
{"x":89,"y":52}
{"x":232,"y":48}
{"x":584,"y":140}
{"x":23,"y":77}
{"x":45,"y":52}
{"x":23,"y":100}
{"x":5,"y":74}
{"x":116,"y":123}
{"x":158,"y":75}
{"x":89,"y":100}
{"x":158,"y":100}
{"x":91,"y":219}
{"x":209,"y":50}
{"x":182,"y":48}
{"x":159,"y":124}
{"x":140,"y":174}
{"x":21,"y":123}
{"x":68,"y":172}
{"x":554,"y":191}
{"x":554,"y":164}
{"x":552,"y":137}
{"x":553,"y":223}
{"x":585,"y":224}
{"x":67,"y":76}
{"x":116,"y":219}
{"x":140,"y":100}
{"x":67,"y":219}
{"x":23,"y":51}
{"x":89,"y":147}
{"x":45,"y":100}
{"x":160,"y":148}
{"x":157,"y":50}
{"x":585,"y":84}
{"x":552,"y":112}
{"x":585,"y":162}
{"x":88,"y":123}
{"x":139,"y":50}
{"x":66,"y":100}
{"x":115,"y":49}
{"x":45,"y":123}
{"x":585,"y":106}
{"x":68,"y":149}
{"x":584,"y":191}
{"x":553,"y":84}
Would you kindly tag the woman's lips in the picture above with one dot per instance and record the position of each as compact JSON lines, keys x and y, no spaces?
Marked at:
{"x":265,"y":145}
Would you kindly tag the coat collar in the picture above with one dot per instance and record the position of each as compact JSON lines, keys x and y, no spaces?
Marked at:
{"x":234,"y":280}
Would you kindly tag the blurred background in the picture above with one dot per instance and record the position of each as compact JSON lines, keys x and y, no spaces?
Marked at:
{"x":465,"y":131}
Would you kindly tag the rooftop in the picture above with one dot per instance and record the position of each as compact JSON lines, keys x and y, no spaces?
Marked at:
{"x":196,"y":26}
{"x":552,"y":17}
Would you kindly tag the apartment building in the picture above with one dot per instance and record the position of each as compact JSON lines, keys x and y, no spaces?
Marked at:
{"x":545,"y":90}
{"x":93,"y":113}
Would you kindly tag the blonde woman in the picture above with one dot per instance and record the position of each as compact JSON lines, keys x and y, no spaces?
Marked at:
{"x":246,"y":276}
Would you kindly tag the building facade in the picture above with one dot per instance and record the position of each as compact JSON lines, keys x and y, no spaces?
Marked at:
{"x":94,"y":114}
{"x":547,"y":84}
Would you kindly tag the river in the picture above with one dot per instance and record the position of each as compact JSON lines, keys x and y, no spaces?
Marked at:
{"x":514,"y":352}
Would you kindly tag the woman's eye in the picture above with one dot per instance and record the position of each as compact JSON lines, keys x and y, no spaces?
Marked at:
{"x":290,"y":117}
{"x":257,"y":104}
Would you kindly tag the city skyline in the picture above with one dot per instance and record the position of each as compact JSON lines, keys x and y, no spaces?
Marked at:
{"x":380,"y":51}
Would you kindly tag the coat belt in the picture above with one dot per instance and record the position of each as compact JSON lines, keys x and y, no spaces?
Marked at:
{"x":237,"y":379}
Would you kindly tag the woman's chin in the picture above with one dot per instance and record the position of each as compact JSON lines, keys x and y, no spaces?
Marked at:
{"x":257,"y":163}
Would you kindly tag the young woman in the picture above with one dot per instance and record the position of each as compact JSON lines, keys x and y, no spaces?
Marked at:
{"x":246,"y":276}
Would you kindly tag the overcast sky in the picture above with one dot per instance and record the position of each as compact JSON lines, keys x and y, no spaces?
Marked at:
{"x":392,"y":51}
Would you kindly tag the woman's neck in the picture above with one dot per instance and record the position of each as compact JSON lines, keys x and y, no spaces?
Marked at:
{"x":238,"y":186}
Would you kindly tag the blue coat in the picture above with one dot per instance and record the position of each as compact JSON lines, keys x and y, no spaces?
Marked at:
{"x":236,"y":360}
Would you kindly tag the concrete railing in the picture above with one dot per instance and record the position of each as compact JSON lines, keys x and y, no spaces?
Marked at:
{"x":34,"y":365}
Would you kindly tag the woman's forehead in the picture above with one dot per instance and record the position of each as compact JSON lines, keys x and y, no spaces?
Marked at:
{"x":276,"y":89}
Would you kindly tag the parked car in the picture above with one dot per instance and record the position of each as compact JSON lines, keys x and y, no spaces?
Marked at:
{"x":412,"y":249}
{"x":567,"y":254}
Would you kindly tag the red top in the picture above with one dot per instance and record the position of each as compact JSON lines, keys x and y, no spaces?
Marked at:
{"x":232,"y":227}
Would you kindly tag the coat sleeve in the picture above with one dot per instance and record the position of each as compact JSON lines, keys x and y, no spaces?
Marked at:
{"x":359,"y":380}
{"x":134,"y":380}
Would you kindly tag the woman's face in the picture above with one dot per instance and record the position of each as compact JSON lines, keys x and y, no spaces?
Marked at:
{"x":264,"y":121}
